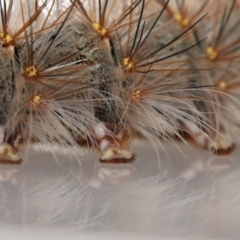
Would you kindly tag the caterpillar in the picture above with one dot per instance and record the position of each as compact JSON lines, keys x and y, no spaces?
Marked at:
{"x":100,"y":74}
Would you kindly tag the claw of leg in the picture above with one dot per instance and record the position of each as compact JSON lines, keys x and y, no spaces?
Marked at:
{"x":221,"y":146}
{"x":222,"y":151}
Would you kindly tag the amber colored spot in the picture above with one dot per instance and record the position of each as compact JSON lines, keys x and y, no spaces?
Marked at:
{"x":212,"y":53}
{"x":127,"y":64}
{"x":5,"y":38}
{"x":181,"y":19}
{"x":31,"y":71}
{"x":35,"y":101}
{"x":137,"y":94}
{"x":222,"y":85}
{"x":101,"y":30}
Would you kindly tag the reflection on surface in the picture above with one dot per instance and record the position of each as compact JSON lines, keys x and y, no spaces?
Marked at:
{"x":192,"y":195}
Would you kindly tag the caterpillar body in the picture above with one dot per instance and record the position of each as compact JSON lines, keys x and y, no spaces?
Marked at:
{"x":99,"y":74}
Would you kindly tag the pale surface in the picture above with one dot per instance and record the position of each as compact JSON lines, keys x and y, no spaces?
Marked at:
{"x":195,"y":196}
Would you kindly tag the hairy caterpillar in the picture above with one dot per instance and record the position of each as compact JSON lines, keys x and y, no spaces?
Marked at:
{"x":100,"y":74}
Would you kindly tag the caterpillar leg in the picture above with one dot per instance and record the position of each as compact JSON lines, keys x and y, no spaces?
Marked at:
{"x":192,"y":133}
{"x":113,"y":144}
{"x":9,"y":154}
{"x":221,"y":146}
